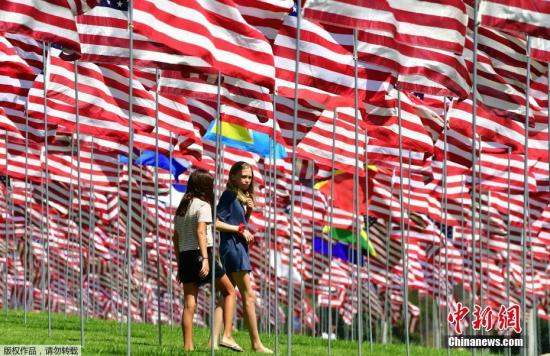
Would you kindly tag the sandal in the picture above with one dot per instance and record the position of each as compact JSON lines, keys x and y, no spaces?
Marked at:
{"x":234,"y":347}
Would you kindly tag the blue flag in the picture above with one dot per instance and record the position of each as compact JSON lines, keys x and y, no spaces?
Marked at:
{"x":147,"y":158}
{"x":339,"y":250}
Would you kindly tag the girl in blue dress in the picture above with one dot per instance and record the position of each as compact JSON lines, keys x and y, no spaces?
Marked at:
{"x":234,"y":209}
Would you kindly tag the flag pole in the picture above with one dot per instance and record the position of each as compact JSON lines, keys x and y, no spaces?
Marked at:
{"x":463,"y":247}
{"x":170,"y":256}
{"x":26,"y":253}
{"x":219,"y":165}
{"x":508,"y":232}
{"x":387,"y":313}
{"x":264,"y":285}
{"x":474,"y":133}
{"x":292,"y":182}
{"x":313,"y":249}
{"x":46,"y":55}
{"x":368,"y":237}
{"x":445,"y":214}
{"x":275,"y":253}
{"x":130,"y":164}
{"x":271,"y":191}
{"x":301,"y":260}
{"x":157,"y":79}
{"x":121,"y":272}
{"x":406,"y":246}
{"x":91,"y":243}
{"x":42,"y":260}
{"x":331,"y":236}
{"x":480,"y":233}
{"x":402,"y":228}
{"x":142,"y":242}
{"x":356,"y":199}
{"x":79,"y":198}
{"x":10,"y":225}
{"x":69,"y":225}
{"x":524,"y":242}
{"x":91,"y":235}
{"x":6,"y":251}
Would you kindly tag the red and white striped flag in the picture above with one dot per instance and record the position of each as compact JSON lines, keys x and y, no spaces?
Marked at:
{"x":45,"y":20}
{"x":103,"y":95}
{"x":212,"y":30}
{"x":266,"y":15}
{"x":425,"y":23}
{"x":531,"y":17}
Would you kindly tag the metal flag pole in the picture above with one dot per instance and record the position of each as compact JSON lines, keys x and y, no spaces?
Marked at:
{"x":130,"y":164}
{"x":356,"y":199}
{"x":474,"y":134}
{"x":142,"y":243}
{"x":275,"y":273}
{"x":26,"y":253}
{"x":408,"y":213}
{"x":302,"y":260}
{"x":170,"y":256}
{"x":271,"y":189}
{"x":6,"y":251}
{"x":331,"y":236}
{"x":219,"y":177}
{"x":404,"y":252}
{"x":79,"y":198}
{"x":290,"y":304}
{"x":157,"y":79}
{"x":264,"y":271}
{"x":266,"y":267}
{"x":445,"y":114}
{"x":121,"y":271}
{"x":91,"y":227}
{"x":368,"y":230}
{"x":463,"y":247}
{"x":10,"y":225}
{"x":46,"y":58}
{"x":69,"y":220}
{"x":42,"y":260}
{"x":508,"y":233}
{"x":480,"y":233}
{"x":534,"y":319}
{"x":524,"y":242}
{"x":313,"y":249}
{"x":387,"y":311}
{"x":91,"y":242}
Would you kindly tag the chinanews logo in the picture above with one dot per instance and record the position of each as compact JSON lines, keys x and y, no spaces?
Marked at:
{"x":505,"y":321}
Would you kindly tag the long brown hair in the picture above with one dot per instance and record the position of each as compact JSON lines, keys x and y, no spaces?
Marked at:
{"x":200,"y":185}
{"x":233,"y":184}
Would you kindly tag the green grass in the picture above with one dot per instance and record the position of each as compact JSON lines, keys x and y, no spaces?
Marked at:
{"x":103,"y":337}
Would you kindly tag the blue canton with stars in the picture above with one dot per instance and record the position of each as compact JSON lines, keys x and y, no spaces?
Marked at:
{"x":115,"y":4}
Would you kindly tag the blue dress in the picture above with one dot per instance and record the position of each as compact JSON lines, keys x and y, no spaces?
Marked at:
{"x":233,"y":247}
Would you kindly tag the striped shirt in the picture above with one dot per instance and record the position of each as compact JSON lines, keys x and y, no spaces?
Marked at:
{"x":186,"y":226}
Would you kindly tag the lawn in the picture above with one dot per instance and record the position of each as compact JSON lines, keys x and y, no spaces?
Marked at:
{"x":103,"y":337}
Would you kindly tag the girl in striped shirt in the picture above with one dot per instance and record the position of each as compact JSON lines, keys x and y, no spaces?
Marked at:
{"x":193,"y":242}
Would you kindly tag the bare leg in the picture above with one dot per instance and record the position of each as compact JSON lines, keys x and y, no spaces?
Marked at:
{"x":224,"y":315}
{"x":228,"y":292}
{"x":190,"y":291}
{"x":218,"y":321}
{"x":242,"y":279}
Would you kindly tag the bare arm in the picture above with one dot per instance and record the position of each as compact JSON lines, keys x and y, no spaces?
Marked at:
{"x":224,"y":227}
{"x":201,"y":239}
{"x":175,"y":240}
